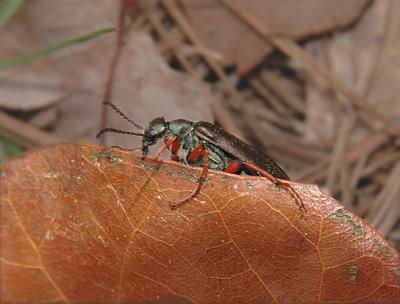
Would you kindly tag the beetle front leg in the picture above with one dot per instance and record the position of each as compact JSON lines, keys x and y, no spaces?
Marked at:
{"x":175,"y":145}
{"x":277,"y":182}
{"x":194,"y":155}
{"x":174,"y":142}
{"x":167,"y":143}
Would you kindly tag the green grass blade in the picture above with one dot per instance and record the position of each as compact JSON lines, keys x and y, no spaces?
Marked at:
{"x":8,"y":63}
{"x":7,"y":9}
{"x":8,"y":149}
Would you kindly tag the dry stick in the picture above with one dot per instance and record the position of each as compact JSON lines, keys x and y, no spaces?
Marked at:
{"x":293,"y":50}
{"x":371,"y":143}
{"x":189,"y":32}
{"x":350,"y":186}
{"x":192,"y":36}
{"x":314,"y":173}
{"x":187,"y":29}
{"x":344,"y":179}
{"x":176,"y":44}
{"x":382,"y":161}
{"x":391,"y":218}
{"x":360,"y":169}
{"x":281,"y":90}
{"x":222,"y":115}
{"x":376,"y":141}
{"x":394,"y":236}
{"x":368,"y":146}
{"x":189,"y":50}
{"x":24,"y":134}
{"x":386,"y":202}
{"x":291,"y":144}
{"x":390,"y":14}
{"x":337,"y":107}
{"x":364,"y":171}
{"x":344,"y":121}
{"x":258,"y":111}
{"x":123,"y":6}
{"x":272,"y":99}
{"x":339,"y":152}
{"x":155,"y":22}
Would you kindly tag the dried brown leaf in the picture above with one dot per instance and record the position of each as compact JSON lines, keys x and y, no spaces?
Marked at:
{"x":223,"y":32}
{"x":48,"y":81}
{"x":144,"y":85}
{"x":80,"y":225}
{"x":376,"y":43}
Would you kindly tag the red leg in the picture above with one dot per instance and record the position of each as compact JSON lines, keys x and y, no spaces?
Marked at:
{"x":277,"y":182}
{"x":233,"y":167}
{"x":195,"y":154}
{"x":167,"y":142}
{"x":175,"y":145}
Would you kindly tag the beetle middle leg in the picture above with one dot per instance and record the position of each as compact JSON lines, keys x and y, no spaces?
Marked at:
{"x":194,"y":155}
{"x":175,"y":145}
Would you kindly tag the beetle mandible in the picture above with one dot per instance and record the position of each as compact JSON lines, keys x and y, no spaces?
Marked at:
{"x":207,"y":145}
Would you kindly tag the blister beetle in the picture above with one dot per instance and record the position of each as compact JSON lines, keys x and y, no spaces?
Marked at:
{"x":206,"y":145}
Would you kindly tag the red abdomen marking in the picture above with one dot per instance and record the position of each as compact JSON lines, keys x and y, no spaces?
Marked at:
{"x":233,"y":167}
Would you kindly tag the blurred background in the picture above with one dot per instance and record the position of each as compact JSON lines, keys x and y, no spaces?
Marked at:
{"x":314,"y":84}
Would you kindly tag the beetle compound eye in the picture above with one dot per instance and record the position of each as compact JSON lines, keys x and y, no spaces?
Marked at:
{"x":153,"y":133}
{"x":150,"y":135}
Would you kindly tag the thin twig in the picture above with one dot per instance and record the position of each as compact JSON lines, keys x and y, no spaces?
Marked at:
{"x":24,"y":134}
{"x":353,"y":179}
{"x":123,"y":7}
{"x":293,"y":50}
{"x":275,"y":103}
{"x":318,"y":171}
{"x":222,"y":115}
{"x":386,"y":201}
{"x":339,"y":151}
{"x":279,"y":88}
{"x":228,"y":85}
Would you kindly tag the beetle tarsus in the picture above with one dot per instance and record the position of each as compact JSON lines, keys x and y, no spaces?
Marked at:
{"x":295,"y":195}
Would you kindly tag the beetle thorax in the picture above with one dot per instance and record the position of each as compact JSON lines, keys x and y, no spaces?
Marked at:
{"x":180,"y":127}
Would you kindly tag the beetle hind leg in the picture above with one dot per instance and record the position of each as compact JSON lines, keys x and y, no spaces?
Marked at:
{"x":278,"y":183}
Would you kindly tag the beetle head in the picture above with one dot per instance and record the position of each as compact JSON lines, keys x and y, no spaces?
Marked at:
{"x":154,"y":131}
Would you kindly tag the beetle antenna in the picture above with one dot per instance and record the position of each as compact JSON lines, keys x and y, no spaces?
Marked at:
{"x":112,"y":130}
{"x":124,"y":116}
